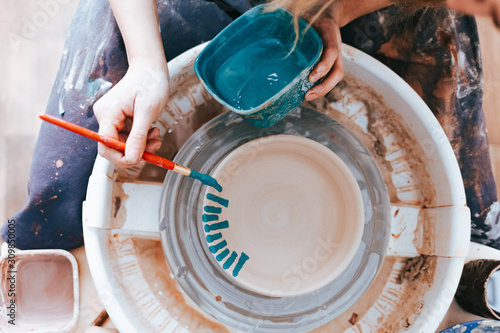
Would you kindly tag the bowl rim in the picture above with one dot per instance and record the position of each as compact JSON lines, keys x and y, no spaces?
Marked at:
{"x":231,"y":30}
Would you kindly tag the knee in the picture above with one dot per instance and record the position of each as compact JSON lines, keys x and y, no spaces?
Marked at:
{"x":51,"y":221}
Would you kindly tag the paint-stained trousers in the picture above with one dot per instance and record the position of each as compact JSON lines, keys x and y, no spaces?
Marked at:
{"x":435,"y":51}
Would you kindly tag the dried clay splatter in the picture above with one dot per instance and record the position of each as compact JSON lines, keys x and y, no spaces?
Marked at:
{"x":398,"y":290}
{"x":129,"y":258}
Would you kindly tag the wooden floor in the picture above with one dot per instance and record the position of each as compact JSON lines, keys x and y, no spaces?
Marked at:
{"x":32,"y":40}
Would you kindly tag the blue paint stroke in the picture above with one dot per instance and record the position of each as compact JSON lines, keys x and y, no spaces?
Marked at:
{"x":216,"y":226}
{"x":211,"y":238}
{"x":230,"y":260}
{"x":209,"y":218}
{"x":243,"y":259}
{"x":215,"y":248}
{"x":219,"y":200}
{"x":222,"y":255}
{"x":206,"y":180}
{"x":213,"y":209}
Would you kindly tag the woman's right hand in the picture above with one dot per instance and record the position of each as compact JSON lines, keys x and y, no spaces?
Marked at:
{"x":139,"y":96}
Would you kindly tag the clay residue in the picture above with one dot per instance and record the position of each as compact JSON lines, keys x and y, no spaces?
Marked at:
{"x":184,"y":73}
{"x":353,"y":319}
{"x":415,"y":278}
{"x":413,"y":268}
{"x":364,"y":304}
{"x":392,"y":306}
{"x":143,"y":276}
{"x":118,"y":211}
{"x":392,"y":303}
{"x":383,"y":131}
{"x":116,"y":205}
{"x":350,"y":52}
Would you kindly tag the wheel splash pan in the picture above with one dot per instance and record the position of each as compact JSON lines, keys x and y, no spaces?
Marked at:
{"x":430,"y":223}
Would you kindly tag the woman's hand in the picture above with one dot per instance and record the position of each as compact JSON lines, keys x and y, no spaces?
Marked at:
{"x":328,"y":24}
{"x":330,"y":66}
{"x":139,"y":96}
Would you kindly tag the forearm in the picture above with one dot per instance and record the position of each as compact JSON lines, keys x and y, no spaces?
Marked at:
{"x":142,"y":92}
{"x":138,"y":23}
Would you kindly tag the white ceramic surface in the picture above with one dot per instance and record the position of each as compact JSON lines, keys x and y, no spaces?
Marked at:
{"x":430,"y":222}
{"x":295,"y":209}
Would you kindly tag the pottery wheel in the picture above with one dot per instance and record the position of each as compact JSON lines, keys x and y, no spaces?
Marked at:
{"x":429,"y":220}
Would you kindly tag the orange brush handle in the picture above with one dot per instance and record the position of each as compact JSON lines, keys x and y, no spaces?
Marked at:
{"x":110,"y":142}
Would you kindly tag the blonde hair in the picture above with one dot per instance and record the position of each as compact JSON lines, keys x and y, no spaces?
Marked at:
{"x":313,"y":9}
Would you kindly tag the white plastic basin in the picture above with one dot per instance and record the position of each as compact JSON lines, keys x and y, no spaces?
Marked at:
{"x":430,"y":220}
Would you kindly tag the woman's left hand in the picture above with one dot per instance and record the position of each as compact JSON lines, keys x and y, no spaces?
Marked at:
{"x":330,"y":66}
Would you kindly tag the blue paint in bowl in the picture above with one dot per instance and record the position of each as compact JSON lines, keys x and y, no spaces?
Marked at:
{"x":257,"y":68}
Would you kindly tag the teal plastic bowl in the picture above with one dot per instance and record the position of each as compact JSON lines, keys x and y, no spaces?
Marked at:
{"x":257,"y":68}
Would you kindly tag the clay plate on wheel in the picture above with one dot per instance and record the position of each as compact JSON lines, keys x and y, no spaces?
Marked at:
{"x":294,"y":218}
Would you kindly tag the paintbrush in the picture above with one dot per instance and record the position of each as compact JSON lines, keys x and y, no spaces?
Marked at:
{"x":118,"y":145}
